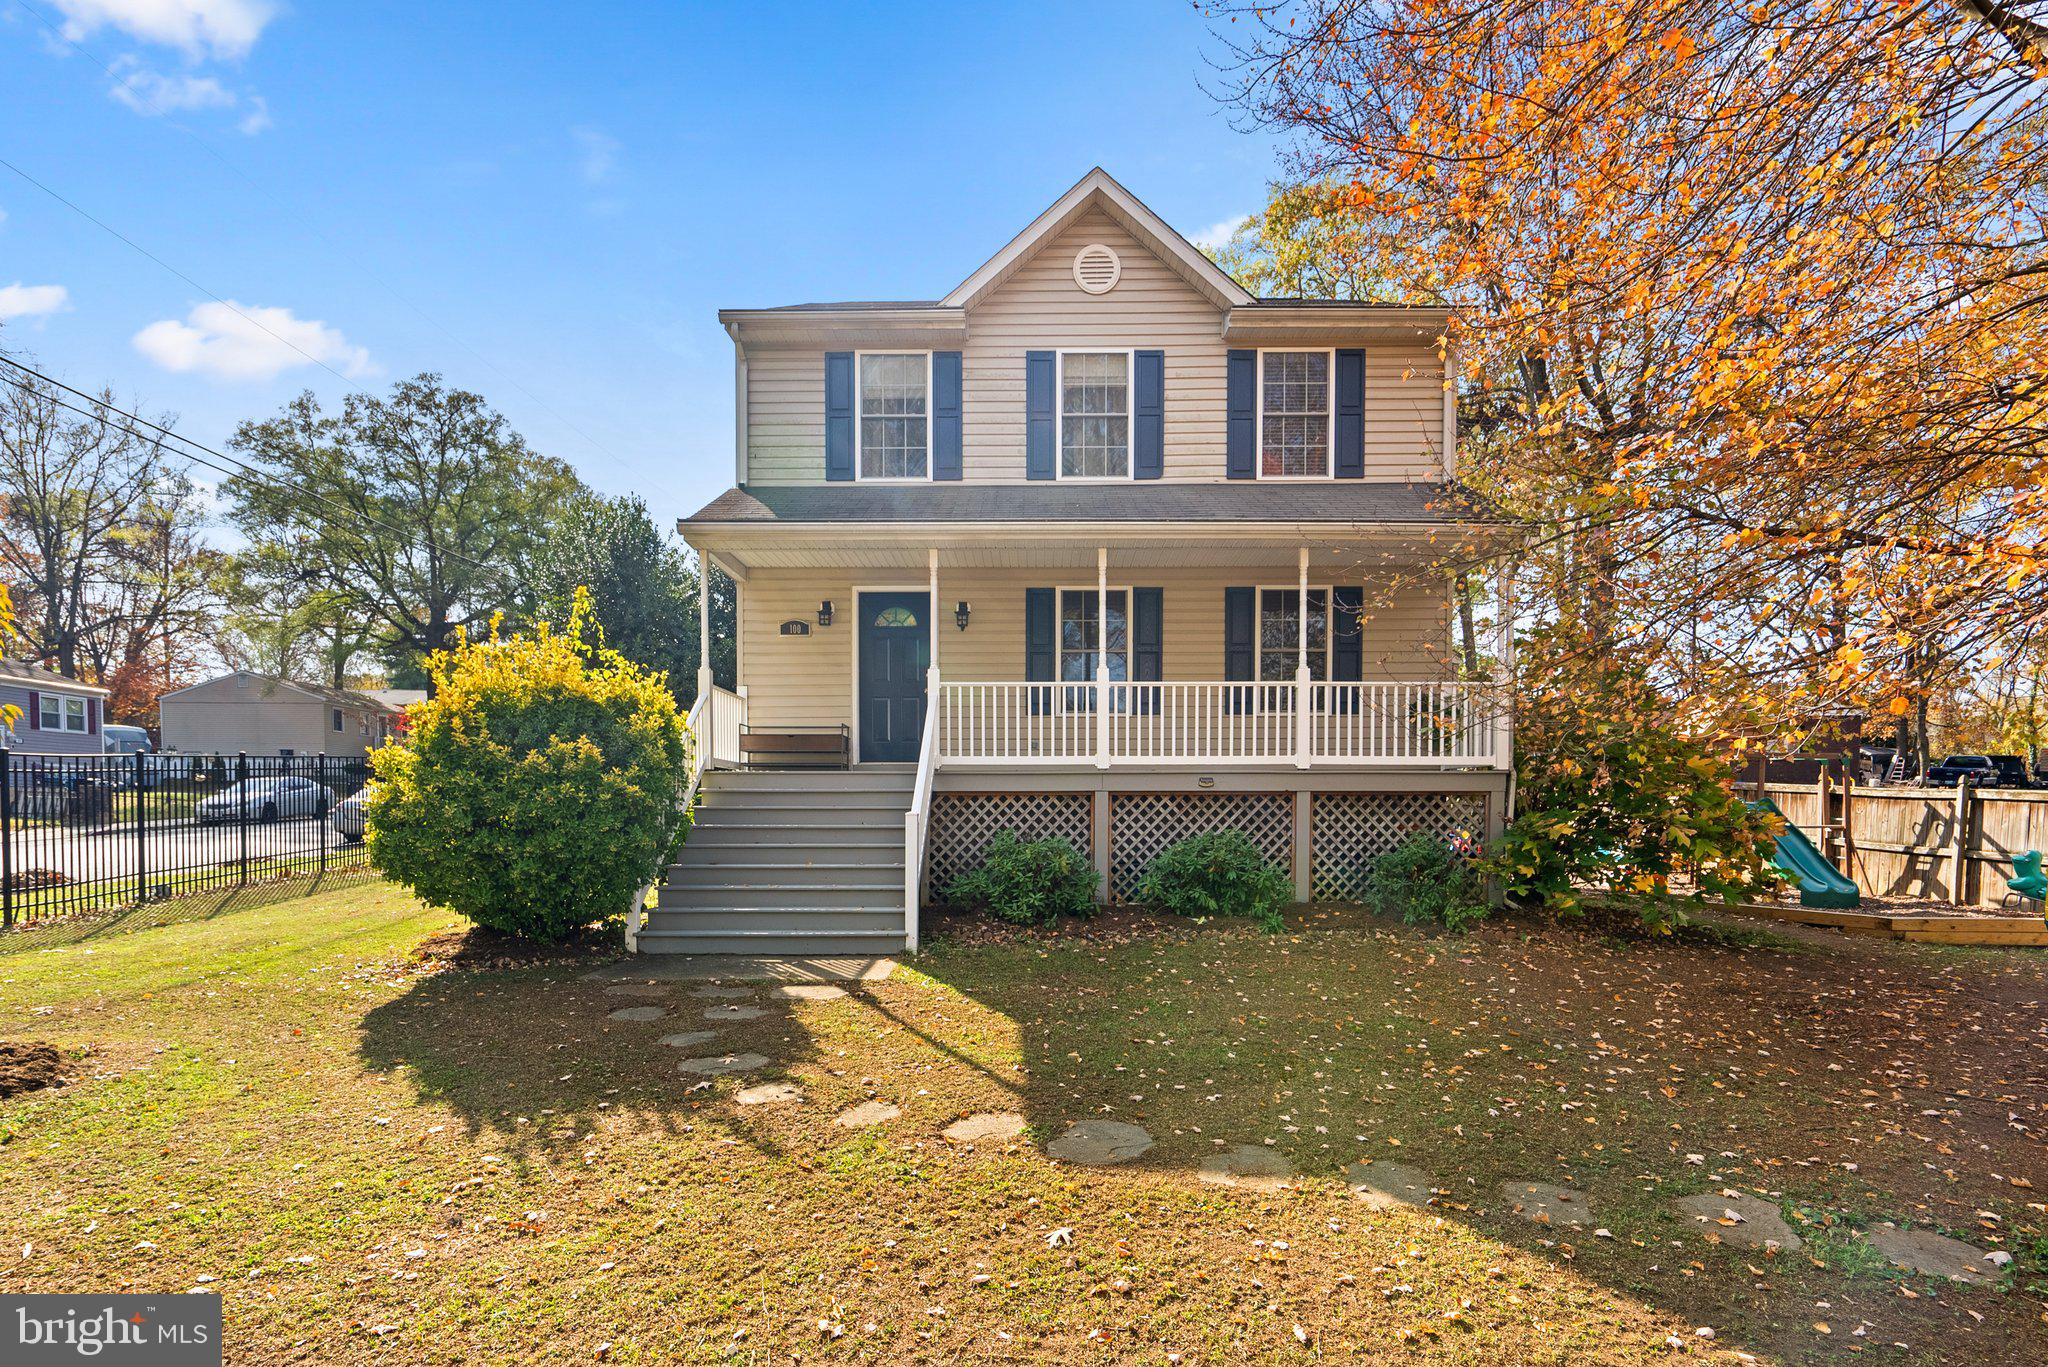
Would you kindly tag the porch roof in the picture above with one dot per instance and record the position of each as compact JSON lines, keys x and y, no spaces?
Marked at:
{"x":1331,"y":504}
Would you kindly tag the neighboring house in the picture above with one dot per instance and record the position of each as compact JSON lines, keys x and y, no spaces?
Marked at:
{"x":59,"y":716}
{"x":260,"y":715}
{"x":1099,"y":546}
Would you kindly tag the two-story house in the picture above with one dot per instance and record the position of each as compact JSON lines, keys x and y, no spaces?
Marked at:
{"x":1097,"y":545}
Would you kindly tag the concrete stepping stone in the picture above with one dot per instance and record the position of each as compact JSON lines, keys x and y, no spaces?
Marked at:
{"x":639,"y":1013}
{"x":1383,"y":1186}
{"x":1928,"y":1253}
{"x":723,"y":1063}
{"x":656,"y":990}
{"x":807,"y":992}
{"x":1100,"y":1143}
{"x":1253,"y":1167}
{"x":689,"y":1039}
{"x":1740,"y":1221}
{"x":734,"y":1013}
{"x":866,"y":1114}
{"x":989,"y":1126}
{"x":716,"y":990}
{"x":769,"y":1094}
{"x":1545,"y":1204}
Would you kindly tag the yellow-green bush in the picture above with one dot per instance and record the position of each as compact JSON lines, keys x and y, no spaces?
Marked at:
{"x":537,"y":790}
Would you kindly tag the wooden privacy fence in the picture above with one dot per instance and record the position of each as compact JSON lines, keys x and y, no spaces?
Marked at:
{"x":1941,"y":844}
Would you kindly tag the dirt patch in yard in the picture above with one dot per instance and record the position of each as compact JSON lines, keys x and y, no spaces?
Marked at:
{"x":28,"y":1066}
{"x":476,"y":949}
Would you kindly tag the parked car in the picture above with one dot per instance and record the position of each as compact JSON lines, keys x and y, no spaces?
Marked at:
{"x":1983,"y":771}
{"x":266,"y":799}
{"x":347,"y":816}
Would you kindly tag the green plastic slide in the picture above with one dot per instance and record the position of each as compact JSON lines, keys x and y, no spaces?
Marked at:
{"x":1819,"y":884}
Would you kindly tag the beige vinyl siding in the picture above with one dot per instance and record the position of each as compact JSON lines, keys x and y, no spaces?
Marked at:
{"x":809,"y":680}
{"x":1040,"y":308}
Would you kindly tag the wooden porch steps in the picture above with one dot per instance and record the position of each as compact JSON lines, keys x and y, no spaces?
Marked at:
{"x":788,"y":862}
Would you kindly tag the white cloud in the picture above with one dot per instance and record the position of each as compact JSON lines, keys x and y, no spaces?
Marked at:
{"x":599,"y":154}
{"x":258,"y":117}
{"x":151,"y":93}
{"x":233,"y":341}
{"x":199,"y":28}
{"x":1216,"y":234}
{"x":31,"y":301}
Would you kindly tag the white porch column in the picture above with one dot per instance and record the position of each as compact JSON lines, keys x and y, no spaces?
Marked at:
{"x":1301,"y":685}
{"x":1102,"y":657}
{"x":931,"y":676}
{"x":1504,"y":657}
{"x":703,"y":625}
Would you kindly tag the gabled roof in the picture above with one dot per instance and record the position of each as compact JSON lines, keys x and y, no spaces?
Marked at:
{"x":35,"y":676}
{"x":1098,"y":189}
{"x":341,"y":697}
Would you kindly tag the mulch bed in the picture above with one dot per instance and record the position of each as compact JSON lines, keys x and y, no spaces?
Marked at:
{"x":28,"y":1066}
{"x":1123,"y":925}
{"x":477,"y":949}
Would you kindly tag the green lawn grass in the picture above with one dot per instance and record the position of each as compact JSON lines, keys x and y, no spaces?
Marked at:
{"x":378,"y":1158}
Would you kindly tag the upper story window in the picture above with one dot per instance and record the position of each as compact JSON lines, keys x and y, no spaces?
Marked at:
{"x":893,"y":430}
{"x":1294,"y":414}
{"x":1095,"y":415}
{"x":62,"y":714}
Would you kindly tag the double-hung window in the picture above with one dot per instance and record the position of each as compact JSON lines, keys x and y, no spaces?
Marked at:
{"x":1086,"y":637}
{"x":60,"y":713}
{"x":894,"y":427}
{"x":1294,"y":414}
{"x":1279,"y":636}
{"x":1095,"y":415}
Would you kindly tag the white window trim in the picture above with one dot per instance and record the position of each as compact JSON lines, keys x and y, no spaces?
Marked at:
{"x":1059,"y":404}
{"x":68,"y":707}
{"x":930,"y":409}
{"x":1259,"y":637}
{"x":1330,"y":414}
{"x":1130,"y":650}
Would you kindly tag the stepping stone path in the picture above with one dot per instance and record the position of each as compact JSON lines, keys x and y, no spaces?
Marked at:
{"x":714,"y":990}
{"x":1740,"y":1221}
{"x":1100,"y":1143}
{"x":734,"y":1013}
{"x":689,"y":1038}
{"x":807,"y":992}
{"x":1544,"y":1204}
{"x":637,"y":990}
{"x":639,"y":1013}
{"x":1253,"y":1167}
{"x":989,"y":1125}
{"x":866,"y":1114}
{"x":1924,"y":1251}
{"x":769,"y":1094}
{"x":1383,"y":1186}
{"x":723,"y":1063}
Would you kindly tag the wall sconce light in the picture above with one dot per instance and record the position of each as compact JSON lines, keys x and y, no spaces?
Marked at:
{"x":825,"y":613}
{"x":960,"y":615}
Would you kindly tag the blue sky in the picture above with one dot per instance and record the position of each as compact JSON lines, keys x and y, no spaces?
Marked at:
{"x":548,"y":203}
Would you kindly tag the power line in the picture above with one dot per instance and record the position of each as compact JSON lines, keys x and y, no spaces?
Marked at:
{"x":240,"y":469}
{"x":253,"y":184}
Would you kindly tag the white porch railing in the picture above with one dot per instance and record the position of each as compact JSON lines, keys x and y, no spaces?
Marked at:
{"x":917,"y":819}
{"x":725,"y":713}
{"x":1378,"y":723}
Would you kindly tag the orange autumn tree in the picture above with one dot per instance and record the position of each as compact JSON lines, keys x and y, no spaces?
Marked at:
{"x":1753,"y":309}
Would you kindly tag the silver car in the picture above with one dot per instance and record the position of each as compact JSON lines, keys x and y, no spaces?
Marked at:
{"x":266,"y":799}
{"x":347,"y":817}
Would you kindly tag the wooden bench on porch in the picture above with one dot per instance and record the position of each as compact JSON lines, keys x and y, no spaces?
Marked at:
{"x":819,"y":748}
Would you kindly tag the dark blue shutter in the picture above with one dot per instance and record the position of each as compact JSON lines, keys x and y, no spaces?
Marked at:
{"x":1148,"y":641}
{"x":1240,"y":643}
{"x":1243,"y":405}
{"x":1347,"y":645}
{"x":1148,"y":415}
{"x":1350,"y":415}
{"x":838,"y":415}
{"x":1041,"y":657}
{"x":946,"y":415}
{"x":1040,"y":424}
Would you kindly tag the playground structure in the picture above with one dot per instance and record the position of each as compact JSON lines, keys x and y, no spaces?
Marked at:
{"x":1797,"y":858}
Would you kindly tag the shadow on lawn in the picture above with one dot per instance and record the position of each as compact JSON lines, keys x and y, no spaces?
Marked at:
{"x":1518,"y":1053}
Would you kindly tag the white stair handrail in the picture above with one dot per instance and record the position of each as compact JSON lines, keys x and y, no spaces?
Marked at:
{"x":693,"y":726}
{"x":915,"y":820}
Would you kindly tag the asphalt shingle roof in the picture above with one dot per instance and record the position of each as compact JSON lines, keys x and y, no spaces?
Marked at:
{"x":1337,"y":501}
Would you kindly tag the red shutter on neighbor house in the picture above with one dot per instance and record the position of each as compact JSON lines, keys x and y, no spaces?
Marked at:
{"x":35,"y":710}
{"x":92,"y":716}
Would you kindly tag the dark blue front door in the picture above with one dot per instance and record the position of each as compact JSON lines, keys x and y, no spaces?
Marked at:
{"x":895,"y":649}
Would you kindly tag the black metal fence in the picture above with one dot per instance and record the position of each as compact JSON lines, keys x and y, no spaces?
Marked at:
{"x":86,"y":833}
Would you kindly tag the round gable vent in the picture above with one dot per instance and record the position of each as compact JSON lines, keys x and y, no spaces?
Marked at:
{"x":1097,"y":268}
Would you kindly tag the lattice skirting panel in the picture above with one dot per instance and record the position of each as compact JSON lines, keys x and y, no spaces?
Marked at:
{"x":1141,"y":825}
{"x":962,"y":824}
{"x":1348,"y":831}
